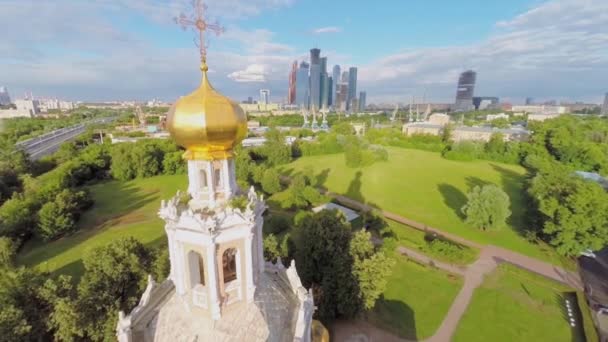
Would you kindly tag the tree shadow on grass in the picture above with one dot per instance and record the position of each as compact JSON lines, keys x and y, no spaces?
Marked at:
{"x":453,"y":198}
{"x":354,"y":188}
{"x":513,"y":187}
{"x":321,"y":178}
{"x":394,"y":316}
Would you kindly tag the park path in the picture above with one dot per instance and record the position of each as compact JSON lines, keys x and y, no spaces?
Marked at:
{"x":489,"y":258}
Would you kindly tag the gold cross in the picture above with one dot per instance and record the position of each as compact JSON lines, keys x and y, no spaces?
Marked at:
{"x":197,"y":22}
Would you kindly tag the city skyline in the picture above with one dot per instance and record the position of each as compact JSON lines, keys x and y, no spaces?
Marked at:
{"x":126,"y":51}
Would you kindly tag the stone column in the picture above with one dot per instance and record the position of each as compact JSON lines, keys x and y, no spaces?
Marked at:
{"x":259,"y":222}
{"x":210,"y":182}
{"x":172,"y":256}
{"x":180,"y":269}
{"x":227,"y":181}
{"x":193,"y":179}
{"x":213,"y":282}
{"x":249,"y":267}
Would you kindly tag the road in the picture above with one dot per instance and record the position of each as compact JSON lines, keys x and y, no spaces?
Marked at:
{"x":48,"y":143}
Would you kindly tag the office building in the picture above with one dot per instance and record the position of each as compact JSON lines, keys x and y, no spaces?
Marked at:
{"x":315,"y":79}
{"x":302,"y":86}
{"x":465,"y":91}
{"x":362,"y":99}
{"x":342,"y":97}
{"x":345,"y":77}
{"x":330,"y":85}
{"x":352,"y":85}
{"x":5,"y":99}
{"x":324,"y":87}
{"x":354,"y":105}
{"x":529,"y":101}
{"x":31,"y":106}
{"x":336,"y":81}
{"x":605,"y":105}
{"x":485,"y":102}
{"x":265,"y":96}
{"x":291,"y":92}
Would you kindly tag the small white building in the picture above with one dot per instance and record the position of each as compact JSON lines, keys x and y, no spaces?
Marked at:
{"x":540,"y":109}
{"x":492,"y":117}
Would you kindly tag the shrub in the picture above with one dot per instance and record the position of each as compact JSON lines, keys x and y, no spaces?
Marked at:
{"x":464,"y":151}
{"x":173,"y":163}
{"x":270,"y":181}
{"x":487,"y":207}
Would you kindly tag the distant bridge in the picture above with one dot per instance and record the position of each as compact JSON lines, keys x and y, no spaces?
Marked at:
{"x":48,"y":143}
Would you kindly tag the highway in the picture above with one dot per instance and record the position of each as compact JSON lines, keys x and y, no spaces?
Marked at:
{"x":48,"y":143}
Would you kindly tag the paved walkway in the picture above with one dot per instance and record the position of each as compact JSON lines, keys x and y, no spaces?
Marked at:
{"x":489,"y":258}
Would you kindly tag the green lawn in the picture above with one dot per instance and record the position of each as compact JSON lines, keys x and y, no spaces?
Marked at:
{"x":121,"y":209}
{"x":427,"y":188}
{"x":415,"y":301}
{"x":516,"y":305}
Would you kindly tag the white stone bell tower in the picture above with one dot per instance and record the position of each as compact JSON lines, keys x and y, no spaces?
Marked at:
{"x":215,"y":250}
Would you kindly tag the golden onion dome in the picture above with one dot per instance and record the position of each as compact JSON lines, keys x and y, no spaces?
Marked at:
{"x":206,"y":123}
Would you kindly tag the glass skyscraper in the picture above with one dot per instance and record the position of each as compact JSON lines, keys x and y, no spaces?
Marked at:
{"x":352,"y":85}
{"x":315,"y":79}
{"x":465,"y":90}
{"x":362,"y":99}
{"x":334,"y":88}
{"x":302,"y":85}
{"x":324,"y":86}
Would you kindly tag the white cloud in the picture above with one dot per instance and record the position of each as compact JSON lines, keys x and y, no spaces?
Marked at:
{"x":252,"y":73}
{"x":328,"y":29}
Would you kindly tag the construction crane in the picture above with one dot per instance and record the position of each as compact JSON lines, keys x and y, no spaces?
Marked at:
{"x":394,"y":116}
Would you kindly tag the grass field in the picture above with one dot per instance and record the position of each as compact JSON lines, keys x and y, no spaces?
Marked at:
{"x":415,"y":301}
{"x":515,"y":305}
{"x":427,"y":188}
{"x":121,"y":209}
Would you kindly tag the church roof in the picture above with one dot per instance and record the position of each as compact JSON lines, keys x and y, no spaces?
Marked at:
{"x":271,"y":317}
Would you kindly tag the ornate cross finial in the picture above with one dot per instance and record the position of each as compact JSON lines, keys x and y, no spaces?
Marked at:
{"x":197,"y":22}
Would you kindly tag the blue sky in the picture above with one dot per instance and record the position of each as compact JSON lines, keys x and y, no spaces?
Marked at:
{"x":131,"y":49}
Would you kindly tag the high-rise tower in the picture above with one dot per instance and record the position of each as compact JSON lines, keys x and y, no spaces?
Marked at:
{"x":336,"y":80}
{"x":291,"y":92}
{"x":315,"y":79}
{"x":352,"y":86}
{"x":465,"y":91}
{"x":303,"y":86}
{"x":324,"y":86}
{"x":605,"y":105}
{"x":5,"y":99}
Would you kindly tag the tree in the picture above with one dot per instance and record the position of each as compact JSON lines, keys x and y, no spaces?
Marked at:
{"x":16,"y":218}
{"x":173,"y":163}
{"x":324,"y":263}
{"x":23,"y":310}
{"x":115,"y":276}
{"x":271,"y":181}
{"x":496,"y":144}
{"x":446,"y":134}
{"x":487,"y":207}
{"x":7,"y":252}
{"x":271,"y":248}
{"x":59,"y":217}
{"x":572,"y":212}
{"x":370,"y":267}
